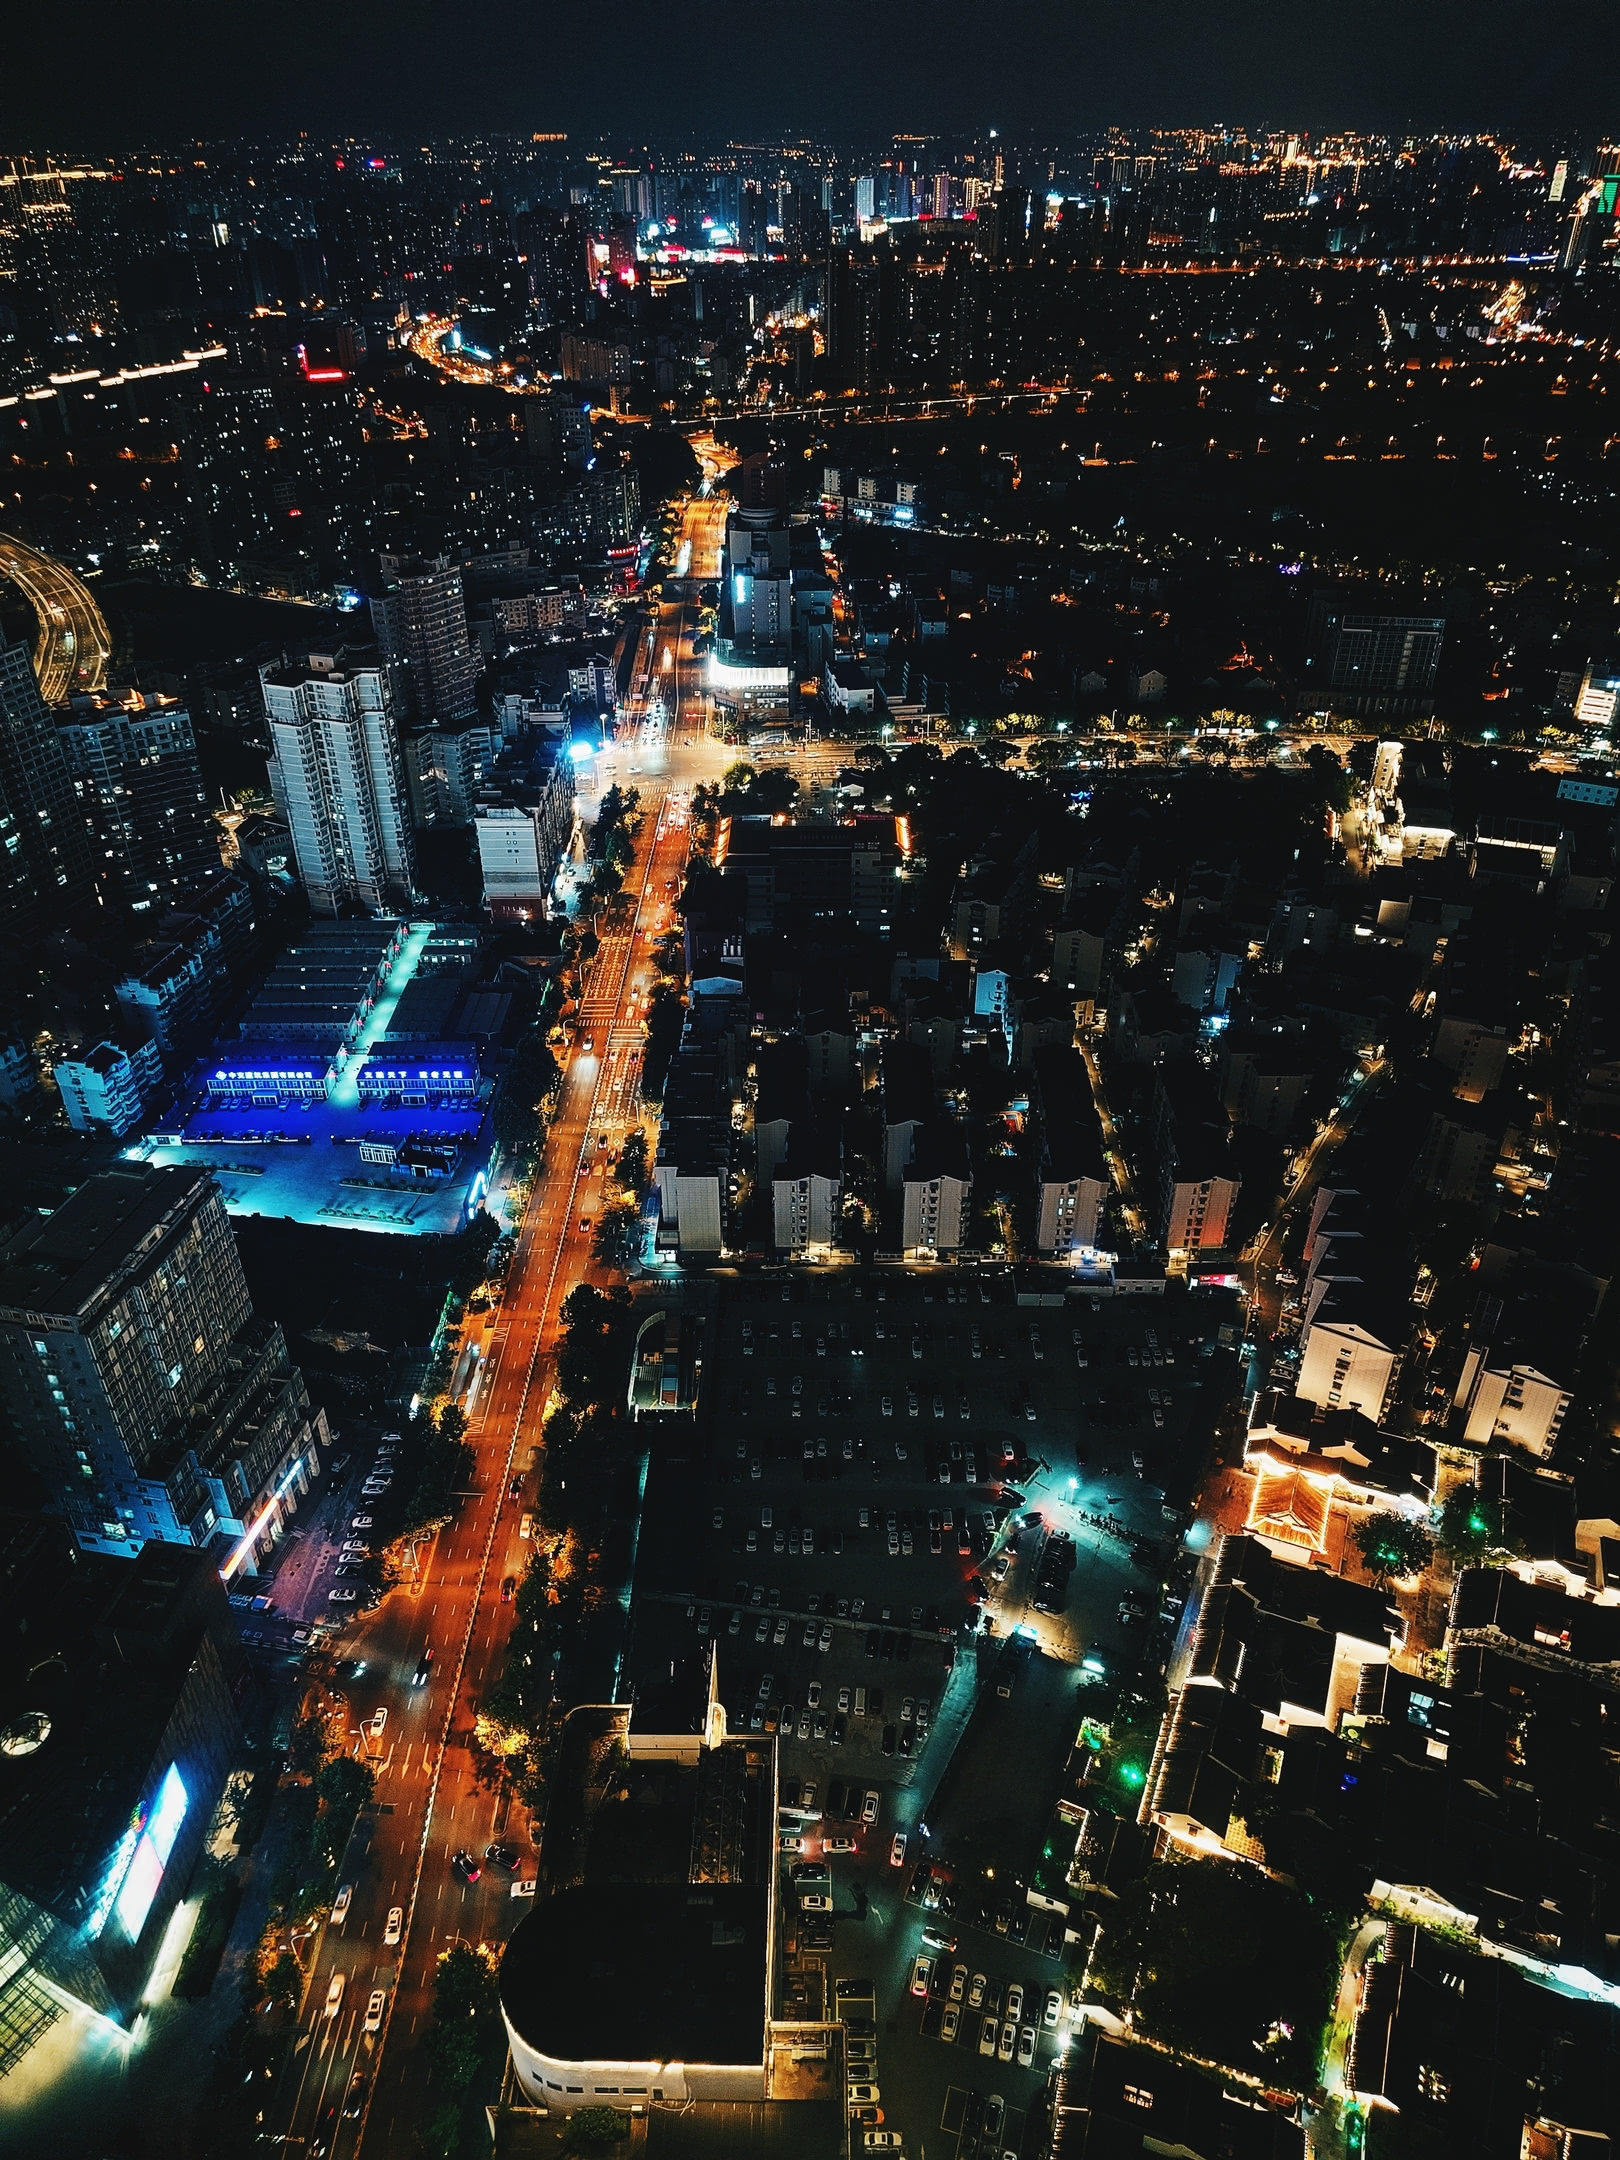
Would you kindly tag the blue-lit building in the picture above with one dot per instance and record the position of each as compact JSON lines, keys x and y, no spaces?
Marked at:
{"x":420,"y":1075}
{"x":114,"y":1751}
{"x":255,"y":1074}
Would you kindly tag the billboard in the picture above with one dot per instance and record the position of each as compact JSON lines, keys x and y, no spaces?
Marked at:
{"x":136,"y":1870}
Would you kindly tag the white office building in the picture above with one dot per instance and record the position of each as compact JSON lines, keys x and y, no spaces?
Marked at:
{"x":338,"y":781}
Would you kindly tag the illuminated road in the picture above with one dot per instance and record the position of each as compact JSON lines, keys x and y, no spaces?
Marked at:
{"x":429,"y":1800}
{"x":74,"y":645}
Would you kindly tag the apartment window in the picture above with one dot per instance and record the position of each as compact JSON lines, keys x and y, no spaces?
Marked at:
{"x":1432,"y":2085}
{"x":1136,"y":2096}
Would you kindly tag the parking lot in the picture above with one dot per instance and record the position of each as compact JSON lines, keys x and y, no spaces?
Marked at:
{"x":914,"y":1513}
{"x":318,"y":1579}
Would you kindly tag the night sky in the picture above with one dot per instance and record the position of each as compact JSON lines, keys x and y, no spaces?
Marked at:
{"x":109,"y":74}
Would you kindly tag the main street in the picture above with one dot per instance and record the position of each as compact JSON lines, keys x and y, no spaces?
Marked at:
{"x":429,"y":1802}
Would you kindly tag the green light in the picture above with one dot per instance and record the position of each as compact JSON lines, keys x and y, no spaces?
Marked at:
{"x":1477,"y":1523}
{"x":1132,"y":1774}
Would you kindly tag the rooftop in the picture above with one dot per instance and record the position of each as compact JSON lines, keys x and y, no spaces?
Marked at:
{"x":642,"y":1972}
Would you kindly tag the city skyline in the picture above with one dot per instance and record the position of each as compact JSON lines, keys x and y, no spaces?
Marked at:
{"x":810,"y":1096}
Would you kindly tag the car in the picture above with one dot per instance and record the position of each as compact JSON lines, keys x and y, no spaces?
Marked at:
{"x":810,"y":1871}
{"x":995,"y":2110}
{"x":357,"y":1546}
{"x":920,"y":1970}
{"x":882,"y":2141}
{"x":863,"y":2095}
{"x":334,"y":1995}
{"x":395,"y":1927}
{"x":502,"y":1855}
{"x":341,"y":1903}
{"x":889,"y":1735}
{"x":362,"y":1522}
{"x":375,"y":1725}
{"x":376,"y":2003}
{"x":423,"y":1665}
{"x":1026,"y":2047}
{"x":355,"y":2103}
{"x":508,"y":1589}
{"x":1015,"y":1999}
{"x":341,"y":1597}
{"x":1007,"y":2042}
{"x":897,"y":1850}
{"x":844,"y":1699}
{"x":989,"y":2032}
{"x":815,"y":1901}
{"x":950,"y":2023}
{"x":838,"y":1844}
{"x":466,"y":1866}
{"x":1053,"y":2009}
{"x":523,"y":1888}
{"x":888,"y":1406}
{"x":937,"y":1939}
{"x":871,"y":1806}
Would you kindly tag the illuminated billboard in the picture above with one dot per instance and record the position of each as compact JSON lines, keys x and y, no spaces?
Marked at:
{"x":132,"y":1879}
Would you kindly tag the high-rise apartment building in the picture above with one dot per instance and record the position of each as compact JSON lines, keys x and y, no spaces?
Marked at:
{"x":338,"y":780}
{"x":276,"y":482}
{"x":855,"y":318}
{"x":420,"y":619}
{"x":138,"y":1384}
{"x":421,"y":624}
{"x":140,"y":791}
{"x":44,"y":854}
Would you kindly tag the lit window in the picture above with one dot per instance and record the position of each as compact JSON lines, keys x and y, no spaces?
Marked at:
{"x":1432,"y":2085}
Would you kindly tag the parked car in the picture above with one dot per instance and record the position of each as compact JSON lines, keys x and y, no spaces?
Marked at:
{"x":897,"y":1850}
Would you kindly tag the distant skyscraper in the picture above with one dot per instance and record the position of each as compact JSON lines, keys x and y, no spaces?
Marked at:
{"x":140,"y":791}
{"x":337,"y":777}
{"x":44,"y":853}
{"x":139,"y":1386}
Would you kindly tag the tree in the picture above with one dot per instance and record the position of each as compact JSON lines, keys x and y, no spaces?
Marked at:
{"x":1224,"y":1962}
{"x":470,"y":1251}
{"x":593,"y":1356}
{"x":1391,"y":1545}
{"x":436,"y":2139}
{"x":617,"y":1240}
{"x":466,"y":2012}
{"x":1472,"y":1527}
{"x":343,"y":1787}
{"x":591,"y":2129}
{"x":630,"y":1170}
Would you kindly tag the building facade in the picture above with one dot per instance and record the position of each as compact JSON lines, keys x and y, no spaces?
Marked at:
{"x":338,"y":780}
{"x":139,"y":1386}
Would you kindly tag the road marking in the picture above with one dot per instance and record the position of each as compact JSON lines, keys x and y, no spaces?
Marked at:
{"x":540,"y":1311}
